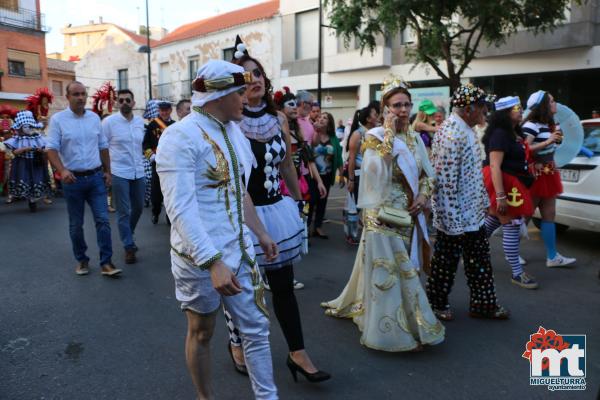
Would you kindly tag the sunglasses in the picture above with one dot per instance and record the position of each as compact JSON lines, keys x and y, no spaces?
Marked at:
{"x":290,"y":103}
{"x":124,"y":100}
{"x":517,"y":108}
{"x":408,"y":104}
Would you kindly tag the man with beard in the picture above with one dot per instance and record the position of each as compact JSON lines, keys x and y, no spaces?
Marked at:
{"x":125,"y":133}
{"x":153,"y":132}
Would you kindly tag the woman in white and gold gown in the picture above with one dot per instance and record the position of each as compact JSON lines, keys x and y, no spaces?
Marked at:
{"x":384,"y":295}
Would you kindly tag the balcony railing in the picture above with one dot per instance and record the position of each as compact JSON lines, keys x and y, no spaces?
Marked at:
{"x":186,"y":89}
{"x":23,"y":18}
{"x":163,"y":91}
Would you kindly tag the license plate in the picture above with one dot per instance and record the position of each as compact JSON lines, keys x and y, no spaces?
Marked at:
{"x":569,"y":175}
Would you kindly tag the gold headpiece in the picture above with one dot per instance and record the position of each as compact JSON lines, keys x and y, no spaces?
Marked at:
{"x":391,"y":83}
{"x":222,"y":83}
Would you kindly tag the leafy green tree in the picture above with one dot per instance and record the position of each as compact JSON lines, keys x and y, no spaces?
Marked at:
{"x":448,"y":32}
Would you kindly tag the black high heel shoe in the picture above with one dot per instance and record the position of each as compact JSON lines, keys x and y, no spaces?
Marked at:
{"x":318,"y":376}
{"x":239,"y":368}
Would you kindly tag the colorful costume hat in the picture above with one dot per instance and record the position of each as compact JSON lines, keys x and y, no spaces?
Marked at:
{"x":282,"y":98}
{"x":25,"y":118}
{"x":240,"y":49}
{"x":104,"y":97}
{"x":36,"y":104}
{"x":468,"y":94}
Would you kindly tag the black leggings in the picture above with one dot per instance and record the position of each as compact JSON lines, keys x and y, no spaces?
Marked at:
{"x":322,"y":202}
{"x":155,"y":192}
{"x":281,"y":282}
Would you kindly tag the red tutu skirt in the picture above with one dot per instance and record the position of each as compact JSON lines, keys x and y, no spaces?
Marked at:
{"x":518,"y":197}
{"x":547,"y":183}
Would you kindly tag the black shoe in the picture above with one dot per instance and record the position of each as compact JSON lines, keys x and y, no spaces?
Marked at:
{"x":499,"y":313}
{"x":239,"y":368}
{"x":32,"y":206}
{"x":155,"y":219}
{"x":316,"y":233}
{"x":318,"y":376}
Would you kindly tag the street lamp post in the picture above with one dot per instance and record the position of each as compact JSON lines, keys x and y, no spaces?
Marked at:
{"x":320,"y":52}
{"x":148,"y":44}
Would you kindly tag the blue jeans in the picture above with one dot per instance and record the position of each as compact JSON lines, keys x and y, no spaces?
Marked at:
{"x":88,"y":189}
{"x":128,"y":198}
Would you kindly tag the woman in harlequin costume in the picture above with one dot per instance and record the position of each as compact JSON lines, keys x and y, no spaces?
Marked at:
{"x":269,"y":136}
{"x":507,"y":178}
{"x":543,"y":136}
{"x":29,"y":175}
{"x":7,"y":115}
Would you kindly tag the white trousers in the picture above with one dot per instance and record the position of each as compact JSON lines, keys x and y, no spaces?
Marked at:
{"x":193,"y":288}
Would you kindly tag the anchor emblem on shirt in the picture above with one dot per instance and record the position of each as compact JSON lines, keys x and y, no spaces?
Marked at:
{"x":514,"y":195}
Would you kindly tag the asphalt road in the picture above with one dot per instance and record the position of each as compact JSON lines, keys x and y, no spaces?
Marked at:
{"x":68,"y":337}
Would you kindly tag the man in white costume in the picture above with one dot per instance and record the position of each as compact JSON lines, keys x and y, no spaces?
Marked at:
{"x":204,"y":162}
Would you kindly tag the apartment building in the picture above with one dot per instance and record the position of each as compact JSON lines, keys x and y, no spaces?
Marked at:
{"x":176,"y":58}
{"x":565,"y":62}
{"x":79,"y":40}
{"x":60,"y":73}
{"x":23,"y":67}
{"x":116,"y":57}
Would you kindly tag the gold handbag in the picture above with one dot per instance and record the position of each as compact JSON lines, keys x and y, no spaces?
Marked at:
{"x":394,"y":216}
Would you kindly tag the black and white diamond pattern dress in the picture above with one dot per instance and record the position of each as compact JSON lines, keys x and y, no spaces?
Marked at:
{"x":279,"y":214}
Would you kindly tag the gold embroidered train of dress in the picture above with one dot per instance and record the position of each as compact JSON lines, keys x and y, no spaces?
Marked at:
{"x":384,"y":296}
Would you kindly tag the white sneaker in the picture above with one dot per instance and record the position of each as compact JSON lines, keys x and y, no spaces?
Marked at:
{"x":298,"y":285}
{"x":522,"y":261}
{"x":559,"y":261}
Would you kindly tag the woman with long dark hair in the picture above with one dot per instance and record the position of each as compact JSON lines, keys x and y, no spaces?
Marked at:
{"x":507,"y":179}
{"x":364,"y":119}
{"x":269,"y":136}
{"x":328,"y":158}
{"x":384,"y":295}
{"x":543,"y":136}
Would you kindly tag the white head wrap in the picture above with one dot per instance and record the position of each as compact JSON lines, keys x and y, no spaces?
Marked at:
{"x":214,"y":69}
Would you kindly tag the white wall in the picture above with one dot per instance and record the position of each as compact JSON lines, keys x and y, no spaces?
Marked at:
{"x":113,"y":52}
{"x":294,"y":6}
{"x":263,"y":39}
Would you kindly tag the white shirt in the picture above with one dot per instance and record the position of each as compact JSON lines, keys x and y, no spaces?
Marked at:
{"x":77,"y":139}
{"x":202,"y":198}
{"x":460,"y":200}
{"x":125,"y":145}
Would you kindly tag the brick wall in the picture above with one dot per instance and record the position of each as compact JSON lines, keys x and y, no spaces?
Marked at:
{"x":34,"y":43}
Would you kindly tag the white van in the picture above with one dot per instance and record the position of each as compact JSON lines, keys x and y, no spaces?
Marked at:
{"x":579,"y":204}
